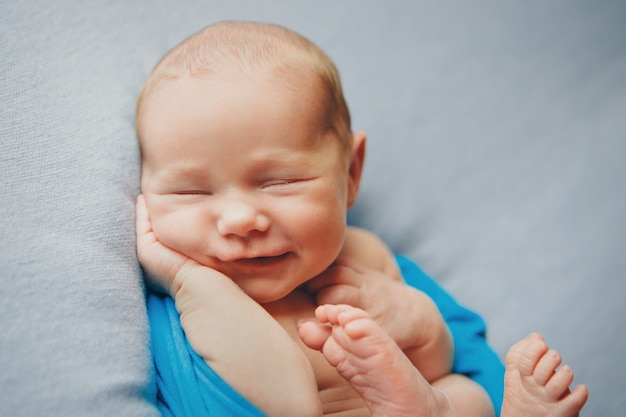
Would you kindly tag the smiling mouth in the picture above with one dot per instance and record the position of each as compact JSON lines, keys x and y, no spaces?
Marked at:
{"x":261,"y":261}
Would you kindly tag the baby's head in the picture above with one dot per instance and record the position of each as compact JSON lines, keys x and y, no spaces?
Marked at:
{"x":248,"y":162}
{"x":261,"y":51}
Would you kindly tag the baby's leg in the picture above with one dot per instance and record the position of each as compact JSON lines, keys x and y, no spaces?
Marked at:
{"x":371,"y":362}
{"x":534,"y":387}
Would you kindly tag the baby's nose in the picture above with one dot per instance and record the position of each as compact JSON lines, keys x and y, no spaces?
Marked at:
{"x":239,"y":218}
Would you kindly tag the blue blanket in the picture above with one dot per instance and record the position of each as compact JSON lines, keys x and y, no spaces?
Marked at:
{"x":188,"y":387}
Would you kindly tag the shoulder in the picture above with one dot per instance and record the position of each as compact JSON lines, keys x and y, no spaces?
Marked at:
{"x":369,"y":250}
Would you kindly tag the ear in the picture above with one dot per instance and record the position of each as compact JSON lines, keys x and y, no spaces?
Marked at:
{"x":357,"y":158}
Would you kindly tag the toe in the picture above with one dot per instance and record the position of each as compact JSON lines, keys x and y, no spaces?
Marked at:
{"x":533,"y":351}
{"x":313,"y":334}
{"x":364,"y":326}
{"x":331,"y":313}
{"x":559,"y":384}
{"x":348,"y":314}
{"x":514,"y":353}
{"x":576,"y":399}
{"x":327,"y":313}
{"x":546,"y":367}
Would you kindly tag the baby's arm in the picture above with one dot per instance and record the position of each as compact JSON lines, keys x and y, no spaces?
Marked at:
{"x":230,"y":330}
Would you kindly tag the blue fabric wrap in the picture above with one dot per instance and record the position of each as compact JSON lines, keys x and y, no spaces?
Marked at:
{"x":188,"y":387}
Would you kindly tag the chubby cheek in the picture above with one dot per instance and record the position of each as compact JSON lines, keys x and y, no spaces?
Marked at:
{"x":322,"y":233}
{"x":179,"y":231}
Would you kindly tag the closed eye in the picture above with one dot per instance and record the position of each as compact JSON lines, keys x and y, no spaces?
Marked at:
{"x":284,"y":184}
{"x":192,"y":192}
{"x":279,"y":182}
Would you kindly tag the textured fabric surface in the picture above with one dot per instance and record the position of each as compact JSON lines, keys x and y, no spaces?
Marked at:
{"x":496,"y":160}
{"x":74,"y":329}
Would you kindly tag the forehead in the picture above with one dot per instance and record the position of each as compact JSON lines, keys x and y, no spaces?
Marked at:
{"x":182,"y":111}
{"x":302,"y":98}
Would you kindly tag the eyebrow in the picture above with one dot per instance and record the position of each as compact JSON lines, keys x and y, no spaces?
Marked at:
{"x":179,"y":172}
{"x":266,"y":160}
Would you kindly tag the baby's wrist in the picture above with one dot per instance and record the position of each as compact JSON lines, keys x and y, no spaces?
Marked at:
{"x":181,"y":277}
{"x":200,"y":279}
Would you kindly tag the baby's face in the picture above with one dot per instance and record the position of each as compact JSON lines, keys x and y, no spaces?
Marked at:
{"x":243,"y":177}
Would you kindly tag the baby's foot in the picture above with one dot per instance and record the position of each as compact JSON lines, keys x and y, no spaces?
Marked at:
{"x":534,"y":387}
{"x":371,"y":362}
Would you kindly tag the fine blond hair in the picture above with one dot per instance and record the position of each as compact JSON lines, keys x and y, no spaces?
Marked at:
{"x":250,"y":48}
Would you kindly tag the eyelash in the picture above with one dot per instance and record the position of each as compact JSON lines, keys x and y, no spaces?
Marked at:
{"x":193,"y":192}
{"x":278,"y":182}
{"x":265,"y":185}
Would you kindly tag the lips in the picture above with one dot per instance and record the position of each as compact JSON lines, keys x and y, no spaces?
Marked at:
{"x":261,"y":262}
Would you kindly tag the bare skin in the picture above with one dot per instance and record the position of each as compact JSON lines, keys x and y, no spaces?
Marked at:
{"x":376,"y":368}
{"x":372,"y":363}
{"x":535,"y":387}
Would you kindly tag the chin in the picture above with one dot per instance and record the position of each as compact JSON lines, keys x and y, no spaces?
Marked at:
{"x":263,"y":296}
{"x":268,"y":298}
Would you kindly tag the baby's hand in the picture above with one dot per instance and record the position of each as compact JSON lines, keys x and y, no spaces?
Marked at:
{"x":409,"y":316}
{"x":161,"y":264}
{"x":387,"y":301}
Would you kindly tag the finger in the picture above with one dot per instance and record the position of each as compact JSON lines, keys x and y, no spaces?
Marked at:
{"x":147,"y":241}
{"x":143,"y":228}
{"x":142,"y":216}
{"x":160,"y":263}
